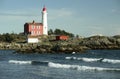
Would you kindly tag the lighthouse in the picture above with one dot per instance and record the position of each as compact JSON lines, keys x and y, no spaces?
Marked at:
{"x":44,"y":21}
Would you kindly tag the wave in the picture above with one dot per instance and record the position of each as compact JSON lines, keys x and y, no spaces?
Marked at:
{"x":19,"y":62}
{"x":44,"y":63}
{"x":112,"y":61}
{"x":81,"y":68}
{"x":66,"y":66}
{"x":85,"y":59}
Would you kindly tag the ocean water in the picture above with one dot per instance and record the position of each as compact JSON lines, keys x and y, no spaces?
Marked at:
{"x":94,"y":64}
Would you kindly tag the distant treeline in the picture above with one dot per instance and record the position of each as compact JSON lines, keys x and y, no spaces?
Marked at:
{"x":60,"y":32}
{"x":11,"y":37}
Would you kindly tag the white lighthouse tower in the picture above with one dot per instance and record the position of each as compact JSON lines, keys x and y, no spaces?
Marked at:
{"x":44,"y":21}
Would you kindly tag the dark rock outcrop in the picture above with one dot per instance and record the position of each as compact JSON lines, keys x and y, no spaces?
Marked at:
{"x":101,"y":42}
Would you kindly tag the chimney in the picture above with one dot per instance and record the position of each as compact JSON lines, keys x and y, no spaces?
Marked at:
{"x":33,"y":22}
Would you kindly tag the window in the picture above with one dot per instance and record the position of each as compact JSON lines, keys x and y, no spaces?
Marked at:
{"x":37,"y":32}
{"x":38,"y":27}
{"x":32,"y":33}
{"x":32,"y":26}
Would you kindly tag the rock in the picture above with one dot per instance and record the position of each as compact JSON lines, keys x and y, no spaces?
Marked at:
{"x":101,"y":42}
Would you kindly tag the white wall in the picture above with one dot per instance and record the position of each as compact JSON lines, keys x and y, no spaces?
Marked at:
{"x":32,"y":40}
{"x":44,"y":21}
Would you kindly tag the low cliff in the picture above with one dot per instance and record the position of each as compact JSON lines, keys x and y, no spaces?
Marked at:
{"x":101,"y":42}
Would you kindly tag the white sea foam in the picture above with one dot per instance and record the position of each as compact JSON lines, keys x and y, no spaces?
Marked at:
{"x":66,"y":66}
{"x":20,"y":62}
{"x":82,"y":68}
{"x":112,"y":61}
{"x":83,"y":59}
{"x":70,"y":58}
{"x":89,"y":59}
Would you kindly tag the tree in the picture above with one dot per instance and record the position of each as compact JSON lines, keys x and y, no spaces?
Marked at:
{"x":62,"y":32}
{"x":57,"y":31}
{"x":8,"y":37}
{"x":11,"y":37}
{"x":77,"y":36}
{"x":50,"y":32}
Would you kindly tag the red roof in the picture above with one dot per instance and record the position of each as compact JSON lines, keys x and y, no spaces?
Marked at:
{"x":44,"y":9}
{"x":34,"y":23}
{"x":62,"y":37}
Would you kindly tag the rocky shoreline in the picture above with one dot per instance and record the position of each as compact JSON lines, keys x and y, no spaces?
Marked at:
{"x":69,"y":46}
{"x":52,"y":49}
{"x":36,"y":48}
